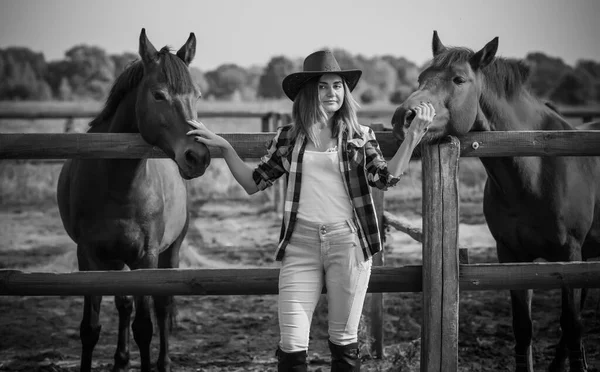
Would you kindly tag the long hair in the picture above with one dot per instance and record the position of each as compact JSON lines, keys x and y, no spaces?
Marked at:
{"x":308,"y":111}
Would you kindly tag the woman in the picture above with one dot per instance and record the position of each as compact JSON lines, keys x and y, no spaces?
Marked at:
{"x":330,"y":230}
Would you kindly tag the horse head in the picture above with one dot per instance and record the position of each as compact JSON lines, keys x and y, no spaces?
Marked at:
{"x":453,"y":83}
{"x":166,"y":100}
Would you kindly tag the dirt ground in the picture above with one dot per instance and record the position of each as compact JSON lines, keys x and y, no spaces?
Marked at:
{"x":240,"y":333}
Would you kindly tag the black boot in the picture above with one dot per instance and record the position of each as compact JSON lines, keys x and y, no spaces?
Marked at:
{"x":344,"y":358}
{"x":291,"y":362}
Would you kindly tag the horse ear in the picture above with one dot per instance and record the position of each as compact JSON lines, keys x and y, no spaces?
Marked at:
{"x":485,"y":56}
{"x":436,"y":44}
{"x":188,"y":50}
{"x":147,"y":51}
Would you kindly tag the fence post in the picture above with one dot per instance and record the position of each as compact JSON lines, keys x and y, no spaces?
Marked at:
{"x":439,"y":338}
{"x":377,"y":298}
{"x":378,"y":260}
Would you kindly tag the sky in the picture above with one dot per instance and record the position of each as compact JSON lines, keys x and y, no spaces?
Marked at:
{"x":251,"y":32}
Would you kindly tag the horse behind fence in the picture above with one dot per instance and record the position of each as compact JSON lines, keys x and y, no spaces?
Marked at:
{"x":536,"y":207}
{"x":133,"y":212}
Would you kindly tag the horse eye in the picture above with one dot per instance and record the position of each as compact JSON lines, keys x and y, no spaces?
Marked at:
{"x":159,"y":96}
{"x":458,"y":80}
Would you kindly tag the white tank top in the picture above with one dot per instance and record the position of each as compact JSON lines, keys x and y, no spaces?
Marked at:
{"x":323,"y":195}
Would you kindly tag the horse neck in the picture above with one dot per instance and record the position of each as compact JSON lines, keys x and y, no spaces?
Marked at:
{"x":518,"y":113}
{"x":123,"y":172}
{"x":513,"y":175}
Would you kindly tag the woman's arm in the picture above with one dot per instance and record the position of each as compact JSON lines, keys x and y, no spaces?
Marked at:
{"x":424,"y":114}
{"x":241,"y":171}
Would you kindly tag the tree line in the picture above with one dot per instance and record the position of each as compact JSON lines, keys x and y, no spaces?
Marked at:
{"x":87,"y":72}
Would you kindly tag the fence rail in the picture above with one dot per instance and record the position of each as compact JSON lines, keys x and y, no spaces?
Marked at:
{"x":74,"y":112}
{"x":252,"y":145}
{"x":219,"y":282}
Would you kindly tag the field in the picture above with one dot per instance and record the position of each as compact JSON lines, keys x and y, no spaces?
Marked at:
{"x":232,"y":230}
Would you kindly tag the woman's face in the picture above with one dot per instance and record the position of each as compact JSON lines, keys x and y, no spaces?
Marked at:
{"x":331,"y":93}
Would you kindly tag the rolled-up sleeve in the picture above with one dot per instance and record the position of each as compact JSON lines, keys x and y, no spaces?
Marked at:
{"x":272,"y":165}
{"x":376,"y":165}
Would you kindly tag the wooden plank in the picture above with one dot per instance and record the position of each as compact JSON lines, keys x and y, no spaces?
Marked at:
{"x":110,"y":145}
{"x":566,"y":112}
{"x":449,"y":153}
{"x":531,"y":143}
{"x":433,"y":204}
{"x":83,"y":113}
{"x":75,"y":110}
{"x":181,"y":282}
{"x":377,"y":312}
{"x":252,"y":145}
{"x":539,"y":275}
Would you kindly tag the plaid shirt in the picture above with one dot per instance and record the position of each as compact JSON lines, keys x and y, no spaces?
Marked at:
{"x":361,"y":164}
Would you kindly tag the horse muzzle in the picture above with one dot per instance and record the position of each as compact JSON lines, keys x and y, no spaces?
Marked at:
{"x":193,"y":163}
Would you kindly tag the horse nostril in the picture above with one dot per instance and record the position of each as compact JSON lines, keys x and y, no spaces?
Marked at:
{"x":191,"y":158}
{"x":409,"y":116}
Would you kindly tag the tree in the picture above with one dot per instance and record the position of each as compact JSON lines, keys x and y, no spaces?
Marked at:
{"x":90,"y":71}
{"x":122,"y":61}
{"x":22,"y":75}
{"x":572,"y":89}
{"x":407,"y":71}
{"x":200,"y":80}
{"x":544,"y":71}
{"x":380,"y":75}
{"x":269,"y":85}
{"x":225,"y":80}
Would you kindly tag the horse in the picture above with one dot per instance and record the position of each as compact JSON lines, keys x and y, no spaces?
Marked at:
{"x":535,"y":207}
{"x":132,"y":213}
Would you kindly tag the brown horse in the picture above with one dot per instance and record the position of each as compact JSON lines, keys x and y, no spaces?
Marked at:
{"x":536,"y":207}
{"x":132,"y":213}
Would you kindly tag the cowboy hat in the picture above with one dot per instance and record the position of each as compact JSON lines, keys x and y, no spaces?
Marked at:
{"x":317,"y":64}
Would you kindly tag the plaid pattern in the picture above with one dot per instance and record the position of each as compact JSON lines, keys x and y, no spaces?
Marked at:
{"x":361,"y":164}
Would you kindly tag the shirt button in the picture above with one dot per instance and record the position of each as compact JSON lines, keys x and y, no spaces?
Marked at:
{"x":323,"y":230}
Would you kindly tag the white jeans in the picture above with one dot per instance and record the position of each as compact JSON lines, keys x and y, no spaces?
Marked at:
{"x":320,"y":254}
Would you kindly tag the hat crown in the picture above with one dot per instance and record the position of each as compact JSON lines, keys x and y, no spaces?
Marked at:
{"x":321,"y":61}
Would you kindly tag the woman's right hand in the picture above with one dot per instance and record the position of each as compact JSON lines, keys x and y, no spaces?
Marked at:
{"x":204,"y":135}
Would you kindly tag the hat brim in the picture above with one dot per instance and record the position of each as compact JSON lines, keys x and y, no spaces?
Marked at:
{"x":293,"y":83}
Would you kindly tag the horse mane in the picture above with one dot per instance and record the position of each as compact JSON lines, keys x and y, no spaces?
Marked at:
{"x":504,"y":76}
{"x":173,"y":69}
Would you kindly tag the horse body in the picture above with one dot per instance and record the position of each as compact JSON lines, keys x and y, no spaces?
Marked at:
{"x":133,"y":212}
{"x":535,"y":207}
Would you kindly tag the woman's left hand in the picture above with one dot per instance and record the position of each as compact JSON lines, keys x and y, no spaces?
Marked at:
{"x":424,"y":115}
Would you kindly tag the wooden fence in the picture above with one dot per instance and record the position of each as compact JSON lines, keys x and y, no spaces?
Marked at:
{"x":441,"y":275}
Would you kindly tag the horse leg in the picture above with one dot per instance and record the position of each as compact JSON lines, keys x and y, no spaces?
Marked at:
{"x":124,"y":305}
{"x":142,"y":330}
{"x":522,"y":329}
{"x":570,"y":344}
{"x":164,"y":306}
{"x":142,"y":324}
{"x":89,"y":330}
{"x":521,"y":317}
